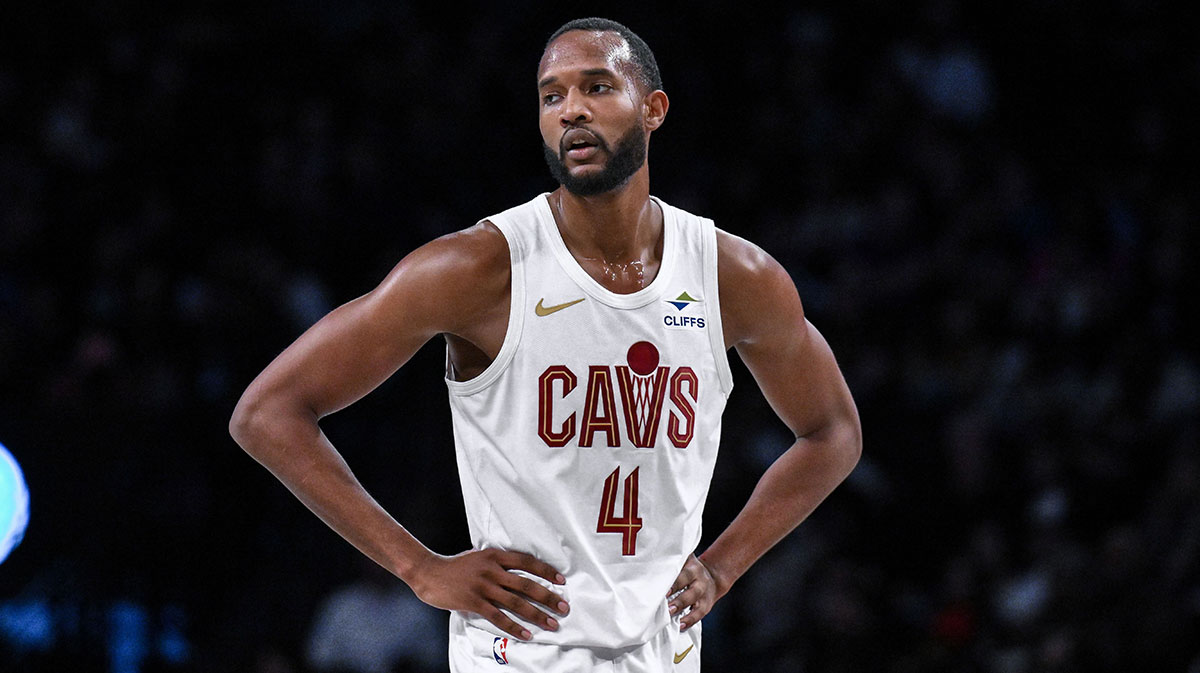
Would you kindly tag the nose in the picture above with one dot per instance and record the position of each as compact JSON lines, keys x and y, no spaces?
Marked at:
{"x":574,"y":110}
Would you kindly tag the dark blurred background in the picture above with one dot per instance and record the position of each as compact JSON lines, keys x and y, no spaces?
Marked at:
{"x":989,"y":211}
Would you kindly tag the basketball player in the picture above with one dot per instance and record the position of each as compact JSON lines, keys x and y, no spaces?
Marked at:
{"x":586,"y":337}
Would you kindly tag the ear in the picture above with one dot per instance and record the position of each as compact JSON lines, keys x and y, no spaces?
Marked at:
{"x":654,"y":109}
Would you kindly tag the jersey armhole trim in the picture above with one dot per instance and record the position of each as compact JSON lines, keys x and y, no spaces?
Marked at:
{"x":516,"y":318}
{"x":716,"y":332}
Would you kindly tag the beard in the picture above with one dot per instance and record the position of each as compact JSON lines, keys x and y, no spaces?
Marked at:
{"x":623,"y":161}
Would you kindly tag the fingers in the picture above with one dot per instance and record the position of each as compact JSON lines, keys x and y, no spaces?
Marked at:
{"x":518,"y":595}
{"x":682,"y":581}
{"x":694,"y":603}
{"x":536,"y":592}
{"x":498,"y":599}
{"x":529,"y":588}
{"x":692,"y":570}
{"x":515,"y":560}
{"x":693,"y":593}
{"x":505,"y":623}
{"x":692,"y":618}
{"x":521,"y":607}
{"x":482,"y":582}
{"x":691,"y":597}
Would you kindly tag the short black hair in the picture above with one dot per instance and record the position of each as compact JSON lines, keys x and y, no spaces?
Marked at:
{"x":643,"y":59}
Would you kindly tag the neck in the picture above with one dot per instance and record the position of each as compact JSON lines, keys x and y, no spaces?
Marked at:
{"x":620,"y":226}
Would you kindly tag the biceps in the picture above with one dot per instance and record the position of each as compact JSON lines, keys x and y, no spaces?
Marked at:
{"x":344,"y":356}
{"x":799,"y":376}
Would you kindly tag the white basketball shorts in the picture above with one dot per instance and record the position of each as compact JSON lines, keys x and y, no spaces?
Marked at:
{"x":473,"y":650}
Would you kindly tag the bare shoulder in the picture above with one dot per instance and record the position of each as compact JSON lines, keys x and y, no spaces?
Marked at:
{"x":451,"y":279}
{"x":477,"y":252}
{"x":757,"y":294}
{"x":738,"y":259}
{"x":479,"y":246}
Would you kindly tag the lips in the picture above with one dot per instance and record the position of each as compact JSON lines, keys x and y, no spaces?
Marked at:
{"x":580,"y":144}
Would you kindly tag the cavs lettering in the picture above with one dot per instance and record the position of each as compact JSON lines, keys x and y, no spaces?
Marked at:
{"x":643,"y":387}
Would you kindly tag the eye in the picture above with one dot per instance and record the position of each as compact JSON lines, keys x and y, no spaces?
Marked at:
{"x":600,"y":88}
{"x":550,"y":98}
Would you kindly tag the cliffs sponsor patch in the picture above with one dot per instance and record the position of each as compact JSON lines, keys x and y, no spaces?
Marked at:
{"x":683,"y":301}
{"x":683,"y":322}
{"x":685,"y":316}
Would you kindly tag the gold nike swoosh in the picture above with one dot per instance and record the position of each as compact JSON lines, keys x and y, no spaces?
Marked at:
{"x":547,"y":310}
{"x":679,"y":657}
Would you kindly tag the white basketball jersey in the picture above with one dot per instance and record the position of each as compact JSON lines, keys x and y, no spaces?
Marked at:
{"x":590,"y":441}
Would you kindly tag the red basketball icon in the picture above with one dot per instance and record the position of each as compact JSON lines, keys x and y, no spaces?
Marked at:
{"x":642,"y":357}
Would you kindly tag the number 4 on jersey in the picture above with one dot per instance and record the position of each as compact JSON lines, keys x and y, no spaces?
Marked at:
{"x":629,"y":523}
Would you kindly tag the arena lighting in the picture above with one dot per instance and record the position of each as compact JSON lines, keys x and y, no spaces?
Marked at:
{"x":14,"y":503}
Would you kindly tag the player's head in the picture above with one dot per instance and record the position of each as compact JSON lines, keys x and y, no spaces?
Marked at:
{"x":600,"y":96}
{"x":640,"y":59}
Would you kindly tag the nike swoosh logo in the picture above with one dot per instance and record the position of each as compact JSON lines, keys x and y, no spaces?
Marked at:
{"x":547,"y":310}
{"x":679,"y":657}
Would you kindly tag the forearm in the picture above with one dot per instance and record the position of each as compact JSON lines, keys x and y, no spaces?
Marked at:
{"x":283,"y":435}
{"x":787,"y":493}
{"x":291,"y":445}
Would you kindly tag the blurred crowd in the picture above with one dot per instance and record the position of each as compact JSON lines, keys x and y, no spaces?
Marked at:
{"x":989,"y":212}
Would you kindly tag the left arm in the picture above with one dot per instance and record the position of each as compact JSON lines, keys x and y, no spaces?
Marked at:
{"x":795,"y":368}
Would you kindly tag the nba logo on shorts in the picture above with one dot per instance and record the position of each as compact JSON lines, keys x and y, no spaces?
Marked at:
{"x":500,"y":650}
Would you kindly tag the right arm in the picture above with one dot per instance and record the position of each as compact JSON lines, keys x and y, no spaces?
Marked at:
{"x":347,"y":354}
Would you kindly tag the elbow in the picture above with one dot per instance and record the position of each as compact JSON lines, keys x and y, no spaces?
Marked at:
{"x":264,"y":423}
{"x":839,"y":442}
{"x":856,"y":446}
{"x":851,"y":442}
{"x":245,"y":422}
